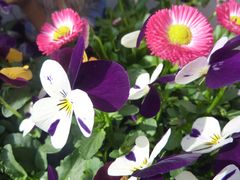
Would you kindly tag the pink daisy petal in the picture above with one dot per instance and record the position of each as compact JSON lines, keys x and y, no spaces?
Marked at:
{"x":180,"y":34}
{"x":67,"y":26}
{"x":228,"y":15}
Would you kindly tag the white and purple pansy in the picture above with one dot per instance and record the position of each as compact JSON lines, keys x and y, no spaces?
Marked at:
{"x":105,"y":81}
{"x":206,"y":135}
{"x":143,"y":87}
{"x":54,"y":114}
{"x":5,"y":7}
{"x":221,"y":67}
{"x":230,"y":172}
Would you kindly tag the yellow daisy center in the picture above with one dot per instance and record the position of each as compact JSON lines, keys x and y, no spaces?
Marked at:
{"x":235,"y":19}
{"x":215,"y":139}
{"x":179,"y":34}
{"x":66,"y":105}
{"x":61,"y":32}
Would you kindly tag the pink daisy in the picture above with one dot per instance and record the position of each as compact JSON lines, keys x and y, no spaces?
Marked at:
{"x":180,"y":34}
{"x":228,"y":15}
{"x":67,"y":25}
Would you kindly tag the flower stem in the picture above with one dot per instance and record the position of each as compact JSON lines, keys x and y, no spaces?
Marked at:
{"x":10,"y":108}
{"x":101,"y":46}
{"x":216,"y":100}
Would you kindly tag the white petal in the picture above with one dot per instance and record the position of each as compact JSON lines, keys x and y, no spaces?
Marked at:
{"x":192,"y":71}
{"x":216,"y":146}
{"x":156,"y":73}
{"x":159,"y":146}
{"x":203,"y":130}
{"x":130,"y":40}
{"x":219,"y":44}
{"x":54,"y":79}
{"x":83,"y":110}
{"x":231,"y":127}
{"x":132,"y":178}
{"x":143,"y":80}
{"x":141,"y":149}
{"x":231,"y":170}
{"x":26,"y":126}
{"x":185,"y":175}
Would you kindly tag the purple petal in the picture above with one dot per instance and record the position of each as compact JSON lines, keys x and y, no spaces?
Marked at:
{"x":76,"y":60}
{"x":151,"y":104}
{"x":19,"y":82}
{"x":168,"y":164}
{"x":103,"y":175}
{"x":222,"y":56}
{"x":106,"y":83}
{"x":4,"y":7}
{"x":224,"y":73}
{"x":142,"y":32}
{"x":63,"y":56}
{"x":228,"y":154}
{"x":158,"y":177}
{"x":131,"y":156}
{"x":53,"y":127}
{"x":6,"y":42}
{"x":169,"y":78}
{"x":52,"y":173}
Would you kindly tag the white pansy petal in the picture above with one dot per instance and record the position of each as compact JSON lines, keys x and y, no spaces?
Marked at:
{"x":215,"y":146}
{"x":219,"y":44}
{"x":233,"y":126}
{"x":136,"y":93}
{"x":230,"y":172}
{"x":142,"y":80}
{"x":185,"y":175}
{"x":203,"y":130}
{"x":132,"y":178}
{"x":130,"y":40}
{"x":83,"y":110}
{"x":156,"y":73}
{"x":26,"y":126}
{"x":54,"y":79}
{"x":159,"y":146}
{"x":141,"y":149}
{"x":192,"y":71}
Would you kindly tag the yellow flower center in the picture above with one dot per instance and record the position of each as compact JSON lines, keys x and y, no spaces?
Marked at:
{"x":204,"y":71}
{"x":235,"y":19}
{"x":179,"y":34}
{"x":214,"y":139}
{"x":85,"y":57}
{"x":61,"y":32}
{"x":17,"y":72}
{"x":141,"y":166}
{"x":66,"y":105}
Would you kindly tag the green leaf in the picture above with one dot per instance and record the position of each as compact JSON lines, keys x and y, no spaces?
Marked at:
{"x":174,"y":140}
{"x":48,"y":148}
{"x":16,"y":98}
{"x":74,"y":167}
{"x":89,"y":146}
{"x":9,"y":165}
{"x":129,"y":110}
{"x":187,"y":105}
{"x":149,"y":126}
{"x":2,"y":129}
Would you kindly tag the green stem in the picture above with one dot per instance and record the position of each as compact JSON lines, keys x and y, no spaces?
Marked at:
{"x":101,"y":47}
{"x":6,"y":105}
{"x":216,"y":100}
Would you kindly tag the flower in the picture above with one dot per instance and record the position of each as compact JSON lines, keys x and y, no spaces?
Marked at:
{"x":54,"y":114}
{"x":130,"y":40}
{"x":206,"y":135}
{"x":230,"y":172}
{"x":223,"y":61}
{"x":138,"y":163}
{"x":5,"y":7}
{"x":151,"y":104}
{"x":179,"y":34}
{"x":52,"y":173}
{"x":67,"y":26}
{"x":228,"y":15}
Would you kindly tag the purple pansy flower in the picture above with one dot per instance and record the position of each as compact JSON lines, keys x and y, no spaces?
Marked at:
{"x":221,"y":67}
{"x":5,"y":7}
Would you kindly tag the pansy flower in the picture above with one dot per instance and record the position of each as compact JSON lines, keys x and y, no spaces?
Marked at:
{"x":143,"y":87}
{"x":67,"y":26}
{"x":138,"y":162}
{"x":185,"y":175}
{"x":228,"y":15}
{"x":180,"y":34}
{"x":5,"y":7}
{"x":54,"y":114}
{"x":230,"y":172}
{"x":52,"y":173}
{"x":221,"y":67}
{"x":206,"y":135}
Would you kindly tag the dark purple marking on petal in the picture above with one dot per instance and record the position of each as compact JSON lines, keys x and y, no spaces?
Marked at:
{"x":142,"y":32}
{"x":53,"y":127}
{"x":136,"y":87}
{"x":84,"y":126}
{"x":19,"y":82}
{"x":227,"y":176}
{"x":131,"y":156}
{"x":27,"y":115}
{"x":224,"y":73}
{"x":76,"y":61}
{"x":52,"y":173}
{"x":106,"y":83}
{"x":168,"y":164}
{"x":169,"y":78}
{"x":195,"y":133}
{"x":151,"y":103}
